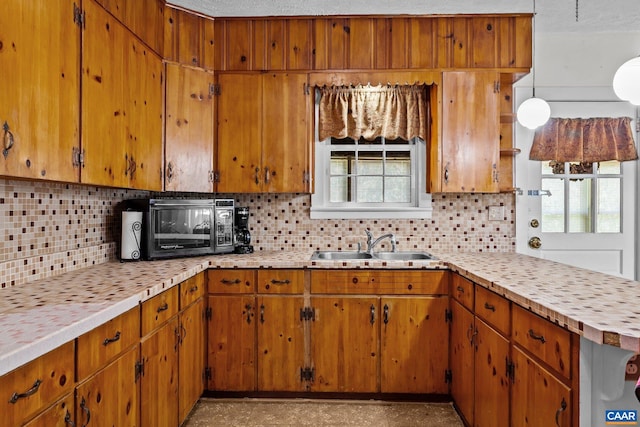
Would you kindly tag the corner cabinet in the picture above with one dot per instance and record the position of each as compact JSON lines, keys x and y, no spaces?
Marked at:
{"x":40,"y":87}
{"x":470,"y":144}
{"x":122,"y":105}
{"x":263,"y":141}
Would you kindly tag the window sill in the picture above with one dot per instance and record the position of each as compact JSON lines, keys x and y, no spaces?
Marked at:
{"x":372,"y":213}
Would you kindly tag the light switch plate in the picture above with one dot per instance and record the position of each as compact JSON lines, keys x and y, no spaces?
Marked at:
{"x":496,"y":213}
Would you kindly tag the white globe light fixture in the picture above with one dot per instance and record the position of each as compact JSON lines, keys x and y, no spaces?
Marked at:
{"x":626,"y":81}
{"x":533,"y":112}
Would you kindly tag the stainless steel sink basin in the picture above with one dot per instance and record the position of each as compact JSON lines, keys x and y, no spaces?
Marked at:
{"x":340,"y":255}
{"x":387,"y":256}
{"x":403,"y":255}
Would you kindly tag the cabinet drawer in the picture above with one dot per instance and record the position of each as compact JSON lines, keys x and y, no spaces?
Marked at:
{"x":58,"y":415}
{"x":191,"y":289}
{"x":36,"y":385}
{"x":231,"y":281}
{"x":548,"y":342}
{"x":388,"y":282}
{"x":159,"y":309}
{"x":280,"y":281}
{"x":493,"y":309}
{"x":462,"y":290}
{"x":101,"y":345}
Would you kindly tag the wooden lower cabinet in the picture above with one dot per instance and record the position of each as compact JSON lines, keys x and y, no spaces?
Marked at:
{"x":462,"y":364}
{"x":58,"y":415}
{"x":492,"y":381}
{"x":280,"y":343}
{"x":110,"y":397}
{"x":539,"y":398}
{"x":159,"y":381}
{"x":191,"y":357}
{"x":412,"y":359}
{"x":344,"y":343}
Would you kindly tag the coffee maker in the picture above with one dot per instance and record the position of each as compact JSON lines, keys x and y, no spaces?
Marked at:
{"x":242,"y":234}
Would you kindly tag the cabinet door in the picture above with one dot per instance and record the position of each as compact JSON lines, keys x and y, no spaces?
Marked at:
{"x":470,"y":132}
{"x":238,"y":142}
{"x":344,"y":344}
{"x":462,"y":357}
{"x":285,"y":136}
{"x":110,"y":397}
{"x":280,"y":343}
{"x":58,"y":415}
{"x":40,"y":89}
{"x":122,"y":85}
{"x":191,"y":358}
{"x":231,"y":353}
{"x":188,"y":130}
{"x":491,"y":379}
{"x":538,"y":397}
{"x":412,"y":359}
{"x":159,"y":383}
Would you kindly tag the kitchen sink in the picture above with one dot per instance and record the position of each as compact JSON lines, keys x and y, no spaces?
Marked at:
{"x":386,"y":256}
{"x":403,"y":255}
{"x":340,"y":255}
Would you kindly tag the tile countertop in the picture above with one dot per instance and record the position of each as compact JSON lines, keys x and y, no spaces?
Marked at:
{"x":39,"y":316}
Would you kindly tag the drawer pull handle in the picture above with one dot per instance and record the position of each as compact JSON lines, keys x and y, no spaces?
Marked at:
{"x":230,"y":282}
{"x":386,"y":314}
{"x":249,"y":313}
{"x":534,"y":336}
{"x":193,"y":289}
{"x":163,"y":307}
{"x":83,"y":406}
{"x":261,"y":313}
{"x":34,"y":388}
{"x":68,"y":420}
{"x":280,"y":282}
{"x":490,"y":307}
{"x":372,"y":311}
{"x":108,"y":341}
{"x":7,"y":140}
{"x":561,"y":409}
{"x":460,"y":289}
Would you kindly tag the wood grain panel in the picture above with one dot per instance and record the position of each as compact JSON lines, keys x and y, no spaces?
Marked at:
{"x":238,"y":37}
{"x":494,"y":309}
{"x":484,"y":40}
{"x":192,"y":357}
{"x":423,"y":47}
{"x":61,"y":414}
{"x":399,"y":43}
{"x":281,"y":352}
{"x":159,"y":309}
{"x":192,"y":289}
{"x":300,"y":49}
{"x":361,"y":38}
{"x":462,"y":290}
{"x":231,"y":281}
{"x":462,"y":360}
{"x":41,"y":98}
{"x":280,"y":281}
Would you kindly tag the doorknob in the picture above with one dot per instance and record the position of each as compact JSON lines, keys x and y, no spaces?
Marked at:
{"x":535,"y":243}
{"x":534,"y":223}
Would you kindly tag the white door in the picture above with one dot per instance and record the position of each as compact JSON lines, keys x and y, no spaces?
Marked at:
{"x":587,"y":222}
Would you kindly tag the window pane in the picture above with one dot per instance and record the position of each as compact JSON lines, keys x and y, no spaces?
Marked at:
{"x":546,"y":168}
{"x":376,"y":141}
{"x":396,"y":141}
{"x":398,"y":163}
{"x":580,"y":212}
{"x":370,"y":163}
{"x":369,"y":189}
{"x":553,"y":206}
{"x":343,"y":141}
{"x":397,"y":189}
{"x":340,"y":162}
{"x":339,"y":189}
{"x":610,"y":167}
{"x":608,"y":217}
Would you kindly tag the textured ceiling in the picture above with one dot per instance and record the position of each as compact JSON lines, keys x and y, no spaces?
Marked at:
{"x":551,"y":15}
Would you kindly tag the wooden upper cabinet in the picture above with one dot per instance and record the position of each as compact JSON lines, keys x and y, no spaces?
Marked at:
{"x":122,"y":86}
{"x":40,"y":59}
{"x":470,"y":141}
{"x":144,"y":18}
{"x":380,"y":43}
{"x":189,"y":38}
{"x":188,"y":130}
{"x":263,"y":141}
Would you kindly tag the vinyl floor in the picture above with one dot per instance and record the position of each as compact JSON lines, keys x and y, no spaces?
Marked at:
{"x":322,"y":413}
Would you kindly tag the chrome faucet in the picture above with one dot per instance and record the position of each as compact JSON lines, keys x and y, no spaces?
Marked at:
{"x":371,"y":243}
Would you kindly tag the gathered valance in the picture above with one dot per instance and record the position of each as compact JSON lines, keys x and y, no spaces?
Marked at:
{"x":369,"y":112}
{"x":589,"y":140}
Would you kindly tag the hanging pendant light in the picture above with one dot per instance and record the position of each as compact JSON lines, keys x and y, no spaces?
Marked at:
{"x":626,"y":81}
{"x":534,"y":112}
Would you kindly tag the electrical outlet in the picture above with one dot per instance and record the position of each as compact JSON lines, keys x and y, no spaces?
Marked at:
{"x":496,"y":213}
